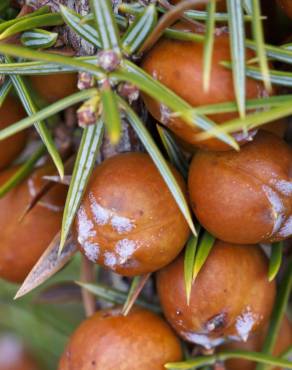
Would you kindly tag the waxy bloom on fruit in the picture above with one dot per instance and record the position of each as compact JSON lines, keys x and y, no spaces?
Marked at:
{"x":231,"y":296}
{"x":129,"y":221}
{"x":110,"y":341}
{"x":244,"y":197}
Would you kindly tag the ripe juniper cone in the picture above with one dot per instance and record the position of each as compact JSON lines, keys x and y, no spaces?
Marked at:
{"x":185,"y":78}
{"x":255,"y":343}
{"x":277,"y":128}
{"x":55,"y":87}
{"x":110,"y":341}
{"x":245,"y":197}
{"x":24,"y":240}
{"x":231,"y":296}
{"x":127,"y":219}
{"x":10,"y":112}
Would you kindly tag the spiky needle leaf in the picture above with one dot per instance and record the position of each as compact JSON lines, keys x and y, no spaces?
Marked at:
{"x":237,"y":36}
{"x":277,"y":314}
{"x":88,"y":150}
{"x":48,"y":264}
{"x":160,"y":162}
{"x":21,"y":173}
{"x":41,"y":11}
{"x":106,"y":24}
{"x":189,"y":260}
{"x":204,"y":249}
{"x":258,"y":35}
{"x":139,"y":30}
{"x":174,"y":153}
{"x":275,"y":260}
{"x":86,"y":31}
{"x":38,"y":39}
{"x":54,"y":19}
{"x":209,"y":44}
{"x":31,"y":108}
{"x":226,"y":355}
{"x":47,"y":112}
{"x":110,"y":112}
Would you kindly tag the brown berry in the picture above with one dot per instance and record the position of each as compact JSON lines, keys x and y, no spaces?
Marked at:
{"x":277,"y":128}
{"x":184,"y":76}
{"x":231,"y":296}
{"x":245,"y":197}
{"x":54,"y":87}
{"x":23,"y":241}
{"x":10,"y":112}
{"x":110,"y":341}
{"x":255,"y":343}
{"x":127,"y":219}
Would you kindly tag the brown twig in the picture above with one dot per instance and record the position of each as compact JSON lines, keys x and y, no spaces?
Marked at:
{"x":167,"y":20}
{"x":66,"y":180}
{"x":47,"y":186}
{"x":167,"y":6}
{"x":87,"y":275}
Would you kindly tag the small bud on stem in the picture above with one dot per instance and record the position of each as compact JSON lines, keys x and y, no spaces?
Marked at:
{"x":89,"y":112}
{"x":85,"y":81}
{"x":109,"y":60}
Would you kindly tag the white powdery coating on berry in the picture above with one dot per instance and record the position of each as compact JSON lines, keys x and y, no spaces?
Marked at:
{"x":91,"y":250}
{"x":286,"y":229}
{"x":277,"y":205}
{"x":101,"y":215}
{"x":85,"y":226}
{"x":283,"y":186}
{"x":125,"y":249}
{"x":121,"y":224}
{"x":202,"y":339}
{"x":245,"y":323}
{"x":110,"y":259}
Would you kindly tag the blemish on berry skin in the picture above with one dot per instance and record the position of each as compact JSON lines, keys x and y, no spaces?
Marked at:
{"x":216,"y":322}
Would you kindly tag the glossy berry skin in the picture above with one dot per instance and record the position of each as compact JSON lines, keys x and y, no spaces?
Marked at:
{"x":13,"y":356}
{"x":110,"y":341}
{"x":231,"y":296}
{"x":286,"y":5}
{"x":255,"y":343}
{"x":184,"y":76}
{"x":244,"y":197}
{"x":10,"y":112}
{"x":128,"y":215}
{"x":277,"y":128}
{"x":22,"y":242}
{"x":55,"y":87}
